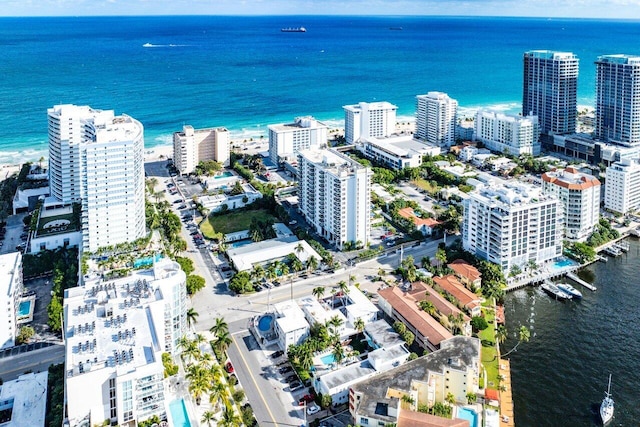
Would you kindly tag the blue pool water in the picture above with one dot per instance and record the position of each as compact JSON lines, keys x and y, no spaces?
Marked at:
{"x":141,"y":262}
{"x":241,"y":243}
{"x":469,"y":415}
{"x":179,"y":413}
{"x":24,"y":308}
{"x":328,"y":359}
{"x":225,"y":174}
{"x":563,"y":263}
{"x":264,"y":324}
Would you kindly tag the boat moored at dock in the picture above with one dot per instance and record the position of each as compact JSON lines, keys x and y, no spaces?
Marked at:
{"x":555,"y":292}
{"x":567,"y":288}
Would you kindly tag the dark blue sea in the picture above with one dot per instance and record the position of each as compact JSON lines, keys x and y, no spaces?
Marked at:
{"x":244,"y":73}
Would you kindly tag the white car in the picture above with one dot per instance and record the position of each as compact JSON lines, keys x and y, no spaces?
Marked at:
{"x":313,"y":409}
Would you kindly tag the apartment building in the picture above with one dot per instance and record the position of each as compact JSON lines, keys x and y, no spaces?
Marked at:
{"x":622,"y":188}
{"x":192,"y":146}
{"x":502,"y":133}
{"x":580,"y":197}
{"x":512,"y":224}
{"x":11,"y":285}
{"x":335,"y":196}
{"x":369,"y":119}
{"x":397,"y":151}
{"x":550,"y":90}
{"x":436,"y":115}
{"x":96,"y":159}
{"x":115,"y":333}
{"x":285,"y":140}
{"x":618,"y":99}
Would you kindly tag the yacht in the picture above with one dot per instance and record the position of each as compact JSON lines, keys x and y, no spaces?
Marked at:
{"x":606,"y":407}
{"x":567,"y":288}
{"x":554,"y":291}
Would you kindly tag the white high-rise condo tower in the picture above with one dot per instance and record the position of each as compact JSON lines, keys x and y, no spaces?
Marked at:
{"x":285,"y":140}
{"x":550,"y":89}
{"x":618,"y":99}
{"x":436,"y":118}
{"x":622,"y":189}
{"x":191,"y":146}
{"x":96,"y":159}
{"x":335,"y":196}
{"x":369,"y":119}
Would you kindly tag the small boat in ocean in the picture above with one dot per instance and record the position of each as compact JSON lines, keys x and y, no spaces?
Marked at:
{"x":294,"y":30}
{"x":395,"y":28}
{"x":606,"y":407}
{"x":567,"y":288}
{"x":147,"y":45}
{"x":554,"y":291}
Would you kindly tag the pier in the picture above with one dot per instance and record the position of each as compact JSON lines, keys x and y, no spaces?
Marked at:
{"x":579,"y":281}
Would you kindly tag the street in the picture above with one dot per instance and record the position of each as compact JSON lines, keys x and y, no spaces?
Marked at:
{"x":33,"y":361}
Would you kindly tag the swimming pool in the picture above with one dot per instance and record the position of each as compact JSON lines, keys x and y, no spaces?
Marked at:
{"x":264,"y":324}
{"x":179,"y":413}
{"x":24,"y":308}
{"x":469,"y":415}
{"x":328,"y":359}
{"x":223,"y":175}
{"x":141,"y":262}
{"x":241,"y":243}
{"x":563,"y":263}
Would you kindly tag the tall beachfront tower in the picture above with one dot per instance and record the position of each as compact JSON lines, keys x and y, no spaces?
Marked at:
{"x":374,"y":119}
{"x":335,"y":196}
{"x":191,"y":146}
{"x":512,"y":224}
{"x":96,"y":159}
{"x":285,"y":140}
{"x":11,"y":285}
{"x":436,"y":118}
{"x":618,"y":99}
{"x":550,"y":89}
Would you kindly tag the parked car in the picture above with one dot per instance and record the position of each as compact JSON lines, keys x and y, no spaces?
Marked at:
{"x":277,"y":354}
{"x":295,"y":386}
{"x":285,"y":369}
{"x":228,"y":367}
{"x":313,"y":409}
{"x":291,"y":378}
{"x":307,"y":398}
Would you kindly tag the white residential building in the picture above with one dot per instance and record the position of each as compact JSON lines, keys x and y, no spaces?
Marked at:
{"x":11,"y":285}
{"x":285,"y":140}
{"x":398,"y":151}
{"x":24,"y":400}
{"x":96,"y":158}
{"x":191,"y":146}
{"x":335,"y":196}
{"x":436,"y":118}
{"x":622,"y":187}
{"x":115,"y":333}
{"x":374,"y":119}
{"x":514,"y":135}
{"x":580,"y":197}
{"x":290,"y":324}
{"x":512,"y":224}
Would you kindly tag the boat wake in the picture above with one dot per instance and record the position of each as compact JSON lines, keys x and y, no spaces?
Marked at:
{"x":164,"y":45}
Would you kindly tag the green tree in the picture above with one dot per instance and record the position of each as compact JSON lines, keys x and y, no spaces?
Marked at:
{"x":311,"y":264}
{"x":186,"y":264}
{"x":318,"y":292}
{"x":25,"y":334}
{"x":222,"y":342}
{"x":192,"y":316}
{"x":208,"y":417}
{"x":501,"y":334}
{"x":359,"y":325}
{"x":220,"y":327}
{"x":54,"y":312}
{"x":195,"y":283}
{"x":241,"y":283}
{"x":478,"y":323}
{"x":428,"y":307}
{"x":524,"y":335}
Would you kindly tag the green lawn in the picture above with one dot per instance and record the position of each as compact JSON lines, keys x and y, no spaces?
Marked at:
{"x":231,"y":222}
{"x":425,"y":185}
{"x":489,"y":354}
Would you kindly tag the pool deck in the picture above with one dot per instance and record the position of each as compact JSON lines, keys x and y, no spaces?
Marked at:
{"x":29,"y":316}
{"x":506,"y":397}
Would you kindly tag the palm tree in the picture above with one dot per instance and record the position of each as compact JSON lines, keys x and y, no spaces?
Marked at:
{"x":352,"y":278}
{"x":318,"y":292}
{"x":229,"y":418}
{"x":257,"y":272}
{"x":359,"y":325}
{"x":199,"y":380}
{"x":501,"y":334}
{"x":441,"y":256}
{"x":450,"y":399}
{"x":217,"y":394}
{"x":407,"y":401}
{"x":220,"y":327}
{"x":192,"y":317}
{"x":299,"y":249}
{"x":297,"y":266}
{"x":524,"y":335}
{"x":344,"y":288}
{"x":338,"y":351}
{"x":334,"y":323}
{"x":428,"y":307}
{"x":271,"y":273}
{"x":223,"y":341}
{"x":312,"y":264}
{"x":190,"y":350}
{"x":208,"y":417}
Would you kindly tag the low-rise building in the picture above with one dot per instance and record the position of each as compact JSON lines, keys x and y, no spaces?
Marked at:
{"x":467,"y":299}
{"x":291,"y":326}
{"x":58,"y":227}
{"x":23,"y":401}
{"x":115,"y":332}
{"x":622,"y":188}
{"x":467,"y":273}
{"x":427,"y":226}
{"x":397,"y":151}
{"x":12,"y":286}
{"x":454,"y":368}
{"x":218,"y":202}
{"x":580,"y":196}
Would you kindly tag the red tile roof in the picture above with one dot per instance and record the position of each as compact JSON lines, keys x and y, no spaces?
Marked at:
{"x":422,"y":291}
{"x":419,"y":222}
{"x":491,"y":394}
{"x":451,"y":285}
{"x":408,"y":418}
{"x":466,"y":270}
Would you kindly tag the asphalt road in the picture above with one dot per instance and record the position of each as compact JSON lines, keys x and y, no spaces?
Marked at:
{"x":35,"y":361}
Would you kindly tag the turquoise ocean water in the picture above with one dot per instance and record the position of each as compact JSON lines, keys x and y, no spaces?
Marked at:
{"x":243,"y":73}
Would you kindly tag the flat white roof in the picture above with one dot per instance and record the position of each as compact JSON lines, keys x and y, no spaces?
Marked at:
{"x":9,"y":267}
{"x":290,"y":316}
{"x":244,"y":257}
{"x":29,"y":394}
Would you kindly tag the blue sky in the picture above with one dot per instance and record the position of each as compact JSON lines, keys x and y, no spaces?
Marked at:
{"x":627,"y":9}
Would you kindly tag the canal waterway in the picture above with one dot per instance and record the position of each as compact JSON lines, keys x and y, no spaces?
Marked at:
{"x":559,"y":377}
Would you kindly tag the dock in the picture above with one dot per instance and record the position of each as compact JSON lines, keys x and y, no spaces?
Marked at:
{"x":579,"y":281}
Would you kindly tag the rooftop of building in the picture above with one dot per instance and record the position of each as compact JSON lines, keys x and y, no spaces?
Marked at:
{"x":456,"y":353}
{"x":570,"y":178}
{"x":108,"y":127}
{"x":290,"y":316}
{"x":27,"y":397}
{"x":435,"y":95}
{"x":245,"y":257}
{"x":410,"y":214}
{"x":188,"y":130}
{"x":451,"y":285}
{"x":58,"y":221}
{"x":332,"y":161}
{"x":464,"y":269}
{"x":306,"y":122}
{"x":408,"y":418}
{"x":10,"y":266}
{"x":382,"y":334}
{"x":406,"y":305}
{"x":378,"y":105}
{"x":507,"y":194}
{"x":347,"y":375}
{"x":401,"y":145}
{"x":512,"y":118}
{"x":550,"y":54}
{"x":621,"y":59}
{"x":421,"y":291}
{"x":112,"y":323}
